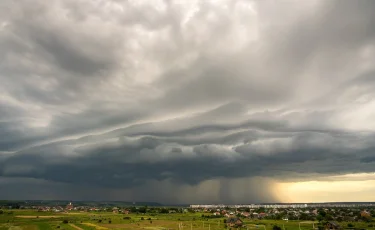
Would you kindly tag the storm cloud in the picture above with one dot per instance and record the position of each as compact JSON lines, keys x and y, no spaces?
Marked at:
{"x":183,"y":101}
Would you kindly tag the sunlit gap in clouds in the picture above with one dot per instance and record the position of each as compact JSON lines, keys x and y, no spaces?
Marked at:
{"x":349,"y":187}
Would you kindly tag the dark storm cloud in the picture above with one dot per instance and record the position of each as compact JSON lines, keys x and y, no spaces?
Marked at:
{"x":129,"y":162}
{"x":130,"y":97}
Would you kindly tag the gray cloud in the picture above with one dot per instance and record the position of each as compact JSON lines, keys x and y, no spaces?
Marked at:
{"x":128,"y":98}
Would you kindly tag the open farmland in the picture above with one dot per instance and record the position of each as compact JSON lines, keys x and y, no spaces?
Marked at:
{"x":33,"y":220}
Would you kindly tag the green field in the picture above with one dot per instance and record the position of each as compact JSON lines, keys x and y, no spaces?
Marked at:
{"x":33,"y":220}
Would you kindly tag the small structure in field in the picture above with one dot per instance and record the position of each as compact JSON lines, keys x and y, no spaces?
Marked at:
{"x":332,"y":225}
{"x":234,"y":222}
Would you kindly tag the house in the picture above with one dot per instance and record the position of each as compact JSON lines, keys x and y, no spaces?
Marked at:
{"x":126,"y":212}
{"x":234,"y":222}
{"x":115,"y":210}
{"x":69,"y":206}
{"x":365,"y":214}
{"x":332,"y":225}
{"x":246,"y":214}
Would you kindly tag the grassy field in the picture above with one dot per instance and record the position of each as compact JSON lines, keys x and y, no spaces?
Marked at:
{"x":32,"y":220}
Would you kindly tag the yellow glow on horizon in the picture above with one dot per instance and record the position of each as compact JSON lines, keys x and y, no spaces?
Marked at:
{"x":328,"y":191}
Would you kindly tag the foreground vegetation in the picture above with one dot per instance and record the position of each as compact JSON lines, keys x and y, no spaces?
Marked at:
{"x":34,"y":220}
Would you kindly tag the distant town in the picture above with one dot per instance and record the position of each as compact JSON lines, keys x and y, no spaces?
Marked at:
{"x":142,"y":215}
{"x":284,"y":205}
{"x":296,"y":211}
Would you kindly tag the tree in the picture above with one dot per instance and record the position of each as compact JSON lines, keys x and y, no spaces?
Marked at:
{"x":304,"y":216}
{"x":191,"y":210}
{"x":322,"y":213}
{"x":259,"y":210}
{"x":339,"y":219}
{"x":1,"y":212}
{"x":328,"y":217}
{"x":65,"y":221}
{"x":164,"y":210}
{"x":275,"y":227}
{"x":143,"y":209}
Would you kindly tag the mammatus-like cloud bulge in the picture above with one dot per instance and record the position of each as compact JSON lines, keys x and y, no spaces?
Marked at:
{"x":183,"y":101}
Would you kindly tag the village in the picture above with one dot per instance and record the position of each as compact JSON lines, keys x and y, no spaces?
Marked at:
{"x":331,"y":217}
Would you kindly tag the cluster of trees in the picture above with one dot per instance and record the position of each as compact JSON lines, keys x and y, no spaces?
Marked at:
{"x":146,"y":209}
{"x":101,"y":221}
{"x":210,"y":216}
{"x":9,"y":204}
{"x":3,"y":212}
{"x":323,"y":216}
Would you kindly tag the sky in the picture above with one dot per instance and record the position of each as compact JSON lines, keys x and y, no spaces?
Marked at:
{"x":187,"y":101}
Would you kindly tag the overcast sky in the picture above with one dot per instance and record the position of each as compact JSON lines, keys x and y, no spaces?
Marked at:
{"x":187,"y":101}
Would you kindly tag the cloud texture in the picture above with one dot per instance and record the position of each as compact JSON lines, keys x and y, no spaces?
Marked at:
{"x":183,"y":101}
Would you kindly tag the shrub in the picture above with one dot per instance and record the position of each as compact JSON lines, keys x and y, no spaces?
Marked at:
{"x":1,"y":212}
{"x":110,"y":221}
{"x":275,"y":227}
{"x":350,"y":225}
{"x":142,"y":218}
{"x":65,"y":221}
{"x":127,"y":218}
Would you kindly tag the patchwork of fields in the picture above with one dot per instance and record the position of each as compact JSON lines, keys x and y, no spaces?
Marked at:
{"x":32,"y":220}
